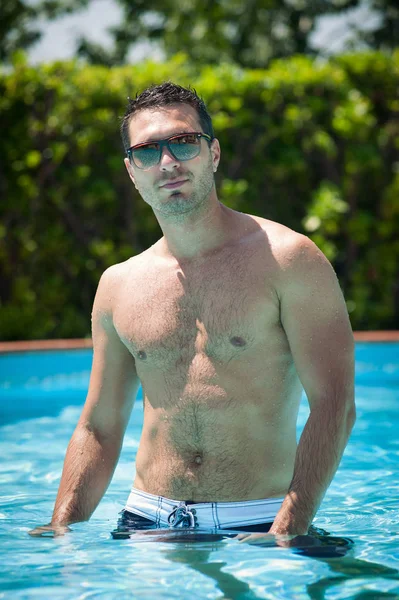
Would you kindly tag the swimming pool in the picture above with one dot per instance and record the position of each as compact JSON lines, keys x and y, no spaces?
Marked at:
{"x":41,"y":394}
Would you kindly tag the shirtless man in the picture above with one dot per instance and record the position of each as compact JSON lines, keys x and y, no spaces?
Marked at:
{"x":222,"y":321}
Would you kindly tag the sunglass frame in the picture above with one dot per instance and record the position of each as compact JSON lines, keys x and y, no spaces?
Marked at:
{"x":162,"y":144}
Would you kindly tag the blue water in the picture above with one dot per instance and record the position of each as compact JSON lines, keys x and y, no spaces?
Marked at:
{"x":41,"y":395}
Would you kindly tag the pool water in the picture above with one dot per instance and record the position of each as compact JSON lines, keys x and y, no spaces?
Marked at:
{"x":41,"y":395}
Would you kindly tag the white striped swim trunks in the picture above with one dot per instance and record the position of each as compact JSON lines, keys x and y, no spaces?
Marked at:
{"x":166,"y":512}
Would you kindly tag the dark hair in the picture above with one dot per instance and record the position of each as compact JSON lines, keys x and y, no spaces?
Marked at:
{"x":163,"y":95}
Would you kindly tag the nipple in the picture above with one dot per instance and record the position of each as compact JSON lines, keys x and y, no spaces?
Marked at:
{"x":237,"y":341}
{"x":142,"y":354}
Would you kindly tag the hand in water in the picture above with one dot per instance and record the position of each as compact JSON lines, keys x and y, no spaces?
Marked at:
{"x":266,"y":539}
{"x":317,"y":543}
{"x":284,"y":540}
{"x":49,"y":530}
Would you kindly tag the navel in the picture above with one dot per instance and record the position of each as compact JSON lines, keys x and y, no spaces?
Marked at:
{"x":141,"y":354}
{"x":198,"y":459}
{"x":238,"y":341}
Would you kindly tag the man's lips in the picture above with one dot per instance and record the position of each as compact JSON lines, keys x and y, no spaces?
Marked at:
{"x":170,"y":185}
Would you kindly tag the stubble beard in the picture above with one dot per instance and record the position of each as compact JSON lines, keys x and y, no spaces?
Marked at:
{"x":179,"y":203}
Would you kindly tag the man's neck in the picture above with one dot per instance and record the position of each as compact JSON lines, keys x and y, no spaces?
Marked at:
{"x":196,"y":234}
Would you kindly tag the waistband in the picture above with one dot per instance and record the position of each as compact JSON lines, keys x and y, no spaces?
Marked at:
{"x":166,"y":512}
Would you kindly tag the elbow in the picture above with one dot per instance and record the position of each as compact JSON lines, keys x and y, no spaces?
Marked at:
{"x":102,"y":435}
{"x":351,"y":416}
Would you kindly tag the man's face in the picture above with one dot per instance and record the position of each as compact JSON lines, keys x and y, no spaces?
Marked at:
{"x":173,"y":187}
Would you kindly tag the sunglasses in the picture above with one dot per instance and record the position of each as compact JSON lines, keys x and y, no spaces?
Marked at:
{"x":184,"y":146}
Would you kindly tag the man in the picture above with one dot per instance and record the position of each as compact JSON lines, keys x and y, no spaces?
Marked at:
{"x":222,"y":321}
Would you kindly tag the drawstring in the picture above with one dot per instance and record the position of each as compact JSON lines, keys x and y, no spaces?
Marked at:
{"x":182,"y":516}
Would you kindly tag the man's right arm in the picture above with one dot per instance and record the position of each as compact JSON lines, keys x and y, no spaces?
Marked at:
{"x":95,"y":446}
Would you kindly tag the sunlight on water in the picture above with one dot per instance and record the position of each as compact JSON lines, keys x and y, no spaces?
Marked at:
{"x":362,"y":503}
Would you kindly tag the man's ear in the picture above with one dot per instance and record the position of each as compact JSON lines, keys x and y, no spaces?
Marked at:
{"x":130,"y":171}
{"x":215,"y":150}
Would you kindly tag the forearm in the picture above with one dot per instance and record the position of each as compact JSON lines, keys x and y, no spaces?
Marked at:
{"x":88,"y":468}
{"x":319,"y":453}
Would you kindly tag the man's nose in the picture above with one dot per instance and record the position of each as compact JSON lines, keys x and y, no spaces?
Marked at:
{"x":168,"y":162}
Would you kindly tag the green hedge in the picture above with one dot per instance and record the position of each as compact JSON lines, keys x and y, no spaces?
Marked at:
{"x":312,"y":145}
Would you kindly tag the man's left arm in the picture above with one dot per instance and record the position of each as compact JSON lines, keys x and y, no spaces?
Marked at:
{"x":315,"y":320}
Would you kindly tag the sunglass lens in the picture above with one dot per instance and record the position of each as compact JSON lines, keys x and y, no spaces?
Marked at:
{"x":146,"y":156}
{"x":185,"y":147}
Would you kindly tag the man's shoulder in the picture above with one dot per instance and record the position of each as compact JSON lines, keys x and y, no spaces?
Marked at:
{"x":113,"y":278}
{"x":294,"y":259}
{"x":287,"y":245}
{"x":117,"y":272}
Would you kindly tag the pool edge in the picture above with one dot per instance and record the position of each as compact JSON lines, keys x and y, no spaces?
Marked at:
{"x":80,"y":343}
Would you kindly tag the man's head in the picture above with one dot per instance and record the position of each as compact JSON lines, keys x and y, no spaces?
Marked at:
{"x":173,"y":172}
{"x":160,"y":96}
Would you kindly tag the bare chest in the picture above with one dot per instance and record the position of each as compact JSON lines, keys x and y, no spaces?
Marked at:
{"x":220,"y":309}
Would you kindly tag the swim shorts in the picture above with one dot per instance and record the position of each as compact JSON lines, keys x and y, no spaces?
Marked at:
{"x":213,"y":521}
{"x":165,"y":512}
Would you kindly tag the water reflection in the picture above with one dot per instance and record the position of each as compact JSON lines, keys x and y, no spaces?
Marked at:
{"x":343,"y":569}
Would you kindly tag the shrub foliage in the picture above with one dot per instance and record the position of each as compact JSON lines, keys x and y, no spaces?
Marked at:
{"x":312,"y":145}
